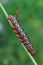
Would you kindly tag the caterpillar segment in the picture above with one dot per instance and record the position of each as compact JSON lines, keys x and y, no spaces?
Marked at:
{"x":21,"y":34}
{"x":18,"y":36}
{"x":13,"y":27}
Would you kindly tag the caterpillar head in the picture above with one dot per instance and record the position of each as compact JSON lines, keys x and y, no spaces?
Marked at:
{"x":10,"y":17}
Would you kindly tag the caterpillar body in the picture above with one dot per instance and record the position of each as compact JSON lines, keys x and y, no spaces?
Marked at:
{"x":21,"y":34}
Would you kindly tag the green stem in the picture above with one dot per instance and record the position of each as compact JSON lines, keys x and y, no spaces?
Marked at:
{"x":31,"y":57}
{"x":4,"y":11}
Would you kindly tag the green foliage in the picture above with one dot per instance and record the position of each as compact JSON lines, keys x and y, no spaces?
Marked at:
{"x":31,"y":19}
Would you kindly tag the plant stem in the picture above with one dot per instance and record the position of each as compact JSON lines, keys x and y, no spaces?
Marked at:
{"x":31,"y":57}
{"x":4,"y":11}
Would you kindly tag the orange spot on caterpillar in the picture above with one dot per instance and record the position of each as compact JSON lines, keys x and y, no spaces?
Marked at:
{"x":18,"y":36}
{"x":16,"y":32}
{"x":13,"y":27}
{"x":21,"y":40}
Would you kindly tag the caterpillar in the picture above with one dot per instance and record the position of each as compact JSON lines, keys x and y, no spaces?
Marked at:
{"x":23,"y":37}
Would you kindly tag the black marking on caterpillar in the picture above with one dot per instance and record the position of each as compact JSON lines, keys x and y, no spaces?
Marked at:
{"x":21,"y":34}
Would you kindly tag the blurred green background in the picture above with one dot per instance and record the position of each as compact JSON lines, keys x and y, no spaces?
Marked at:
{"x":31,"y":19}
